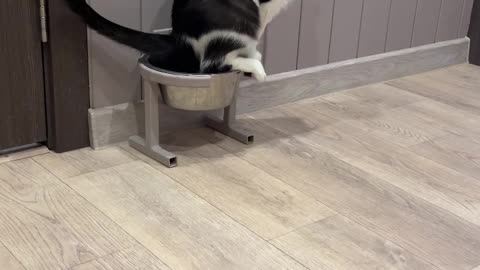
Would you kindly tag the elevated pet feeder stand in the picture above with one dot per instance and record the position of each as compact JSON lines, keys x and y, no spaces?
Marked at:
{"x":190,"y":92}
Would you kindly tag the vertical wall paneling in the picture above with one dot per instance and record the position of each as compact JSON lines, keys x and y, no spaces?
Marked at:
{"x":315,"y":31}
{"x":281,"y":40}
{"x":426,"y":22}
{"x":114,"y":77}
{"x":374,"y":27}
{"x":261,"y":47}
{"x":156,"y":14}
{"x":309,"y":33}
{"x":400,"y":26}
{"x":450,"y":20}
{"x":466,"y":17}
{"x":347,"y":16}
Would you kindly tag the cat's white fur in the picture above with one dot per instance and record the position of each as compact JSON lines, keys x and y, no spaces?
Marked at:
{"x":248,"y":53}
{"x":247,"y":59}
{"x":270,"y":10}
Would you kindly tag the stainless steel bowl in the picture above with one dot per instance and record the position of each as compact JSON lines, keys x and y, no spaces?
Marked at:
{"x":192,"y":92}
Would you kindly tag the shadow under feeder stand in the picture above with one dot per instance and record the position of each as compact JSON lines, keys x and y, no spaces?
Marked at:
{"x":191,"y":92}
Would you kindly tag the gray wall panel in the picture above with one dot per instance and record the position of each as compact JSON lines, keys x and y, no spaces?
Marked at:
{"x":281,"y":41}
{"x":426,"y":22}
{"x":347,"y":17}
{"x":466,"y":16}
{"x":156,"y":14}
{"x":450,"y":20}
{"x":373,"y":31}
{"x":400,"y":27}
{"x":113,"y":75}
{"x":310,"y":33}
{"x":315,"y":31}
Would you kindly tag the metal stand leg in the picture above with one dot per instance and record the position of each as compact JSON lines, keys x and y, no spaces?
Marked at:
{"x":150,"y":145}
{"x":225,"y":126}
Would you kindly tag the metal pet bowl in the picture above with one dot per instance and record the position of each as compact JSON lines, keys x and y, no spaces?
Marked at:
{"x":192,"y":92}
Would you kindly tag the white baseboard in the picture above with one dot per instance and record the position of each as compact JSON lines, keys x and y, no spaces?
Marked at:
{"x":115,"y":124}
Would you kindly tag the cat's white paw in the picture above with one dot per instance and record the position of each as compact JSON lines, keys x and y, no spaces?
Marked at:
{"x":257,"y":55}
{"x":249,"y":65}
{"x":260,"y":75}
{"x":259,"y":71}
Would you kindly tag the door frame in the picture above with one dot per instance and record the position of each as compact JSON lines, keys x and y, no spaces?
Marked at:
{"x":474,"y":34}
{"x":67,"y":90}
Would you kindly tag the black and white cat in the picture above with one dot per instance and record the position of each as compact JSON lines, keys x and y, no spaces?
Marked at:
{"x":208,"y":36}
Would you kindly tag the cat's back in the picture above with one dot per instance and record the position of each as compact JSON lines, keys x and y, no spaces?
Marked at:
{"x":195,"y":18}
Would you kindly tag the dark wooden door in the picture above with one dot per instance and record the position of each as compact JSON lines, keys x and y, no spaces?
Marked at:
{"x":22,"y":95}
{"x":474,"y":34}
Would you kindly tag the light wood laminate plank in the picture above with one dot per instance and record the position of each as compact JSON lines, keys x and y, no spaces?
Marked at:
{"x":8,"y":261}
{"x":249,"y":195}
{"x":135,"y":258}
{"x":300,"y":159}
{"x":338,"y":243}
{"x":48,"y":226}
{"x":82,"y":161}
{"x":180,"y":228}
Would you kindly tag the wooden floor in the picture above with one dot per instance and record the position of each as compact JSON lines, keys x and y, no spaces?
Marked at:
{"x":380,"y":177}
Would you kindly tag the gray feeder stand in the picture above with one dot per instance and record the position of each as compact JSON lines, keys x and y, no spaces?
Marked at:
{"x":192,"y":92}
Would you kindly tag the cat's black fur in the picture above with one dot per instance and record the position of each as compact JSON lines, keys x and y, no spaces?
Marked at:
{"x":192,"y":18}
{"x":198,"y":17}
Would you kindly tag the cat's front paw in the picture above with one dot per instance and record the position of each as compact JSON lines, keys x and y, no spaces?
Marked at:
{"x":260,"y":75}
{"x":258,"y":56}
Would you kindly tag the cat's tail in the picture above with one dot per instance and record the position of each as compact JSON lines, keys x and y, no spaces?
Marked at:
{"x":144,"y":42}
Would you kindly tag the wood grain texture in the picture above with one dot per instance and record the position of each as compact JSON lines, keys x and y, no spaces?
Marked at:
{"x":454,"y":151}
{"x":24,"y":154}
{"x":400,"y":25}
{"x":394,"y":207}
{"x":301,"y":160}
{"x":402,"y":168}
{"x":426,"y":22}
{"x":83,"y":161}
{"x":362,"y":103}
{"x":315,"y":31}
{"x":66,"y":79}
{"x":115,"y":124}
{"x":8,"y":261}
{"x":135,"y":258}
{"x":22,"y":103}
{"x":374,"y":27}
{"x":450,"y":20}
{"x":347,"y":17}
{"x":252,"y":197}
{"x":184,"y":231}
{"x":446,"y":117}
{"x":456,"y":87}
{"x":338,"y":243}
{"x":456,"y":82}
{"x":368,"y":108}
{"x":400,"y":127}
{"x":48,"y":226}
{"x":312,"y":82}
